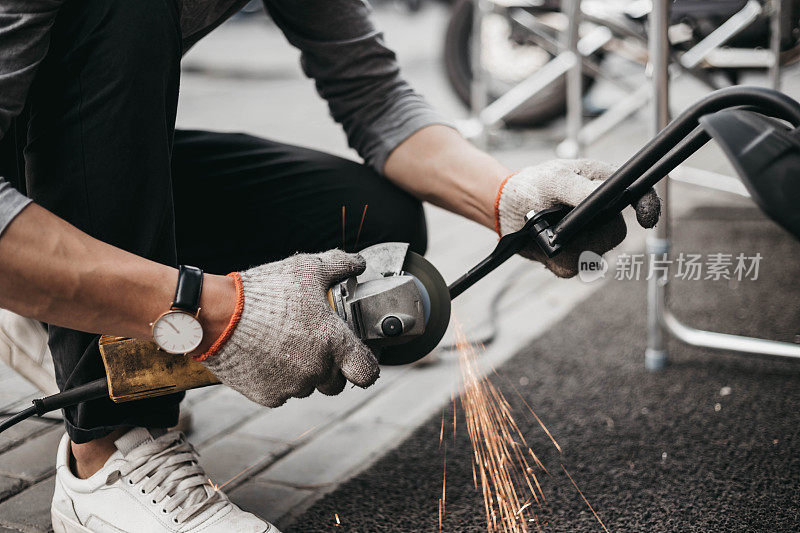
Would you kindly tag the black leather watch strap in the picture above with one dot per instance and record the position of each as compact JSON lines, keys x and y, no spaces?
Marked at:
{"x":190,"y":285}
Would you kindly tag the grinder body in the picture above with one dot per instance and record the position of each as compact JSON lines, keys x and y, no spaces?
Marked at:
{"x":392,"y":302}
{"x":381,"y":312}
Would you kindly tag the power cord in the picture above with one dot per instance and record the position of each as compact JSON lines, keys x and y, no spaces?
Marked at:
{"x":90,"y":391}
{"x":4,"y":414}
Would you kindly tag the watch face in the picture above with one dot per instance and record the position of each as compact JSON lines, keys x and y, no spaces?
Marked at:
{"x":177,"y":332}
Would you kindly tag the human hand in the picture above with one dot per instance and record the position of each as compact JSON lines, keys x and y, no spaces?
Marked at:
{"x":288,"y":340}
{"x":567,"y":182}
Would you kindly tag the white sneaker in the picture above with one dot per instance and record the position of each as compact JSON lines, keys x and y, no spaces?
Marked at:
{"x":152,"y":483}
{"x":23,"y":346}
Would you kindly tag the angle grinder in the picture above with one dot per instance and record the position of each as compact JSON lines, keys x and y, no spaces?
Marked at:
{"x":399,"y":306}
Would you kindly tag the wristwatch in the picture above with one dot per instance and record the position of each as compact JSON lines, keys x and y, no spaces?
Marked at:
{"x":178,"y":330}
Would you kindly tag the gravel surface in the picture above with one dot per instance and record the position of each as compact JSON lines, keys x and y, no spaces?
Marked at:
{"x":711,"y":443}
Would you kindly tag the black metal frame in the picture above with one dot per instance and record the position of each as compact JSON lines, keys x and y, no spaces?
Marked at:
{"x":553,"y":228}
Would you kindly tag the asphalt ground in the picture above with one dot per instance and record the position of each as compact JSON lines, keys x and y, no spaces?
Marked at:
{"x":711,"y":443}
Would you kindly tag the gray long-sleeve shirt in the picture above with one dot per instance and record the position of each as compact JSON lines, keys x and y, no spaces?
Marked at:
{"x":340,"y":49}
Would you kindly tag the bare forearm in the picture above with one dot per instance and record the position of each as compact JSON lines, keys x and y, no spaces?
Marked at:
{"x":53,"y":272}
{"x":437,"y":165}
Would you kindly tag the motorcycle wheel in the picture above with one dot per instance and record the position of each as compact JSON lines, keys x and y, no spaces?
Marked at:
{"x":509,"y":63}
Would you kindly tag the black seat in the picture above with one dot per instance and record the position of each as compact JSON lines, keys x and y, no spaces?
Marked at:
{"x":766,"y":155}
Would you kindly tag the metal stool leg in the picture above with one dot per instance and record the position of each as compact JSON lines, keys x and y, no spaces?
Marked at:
{"x":570,"y":147}
{"x":479,"y":92}
{"x":775,"y":44}
{"x":658,"y":244}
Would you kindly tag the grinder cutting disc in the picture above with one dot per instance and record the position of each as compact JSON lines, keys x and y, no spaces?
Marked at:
{"x":438,"y":319}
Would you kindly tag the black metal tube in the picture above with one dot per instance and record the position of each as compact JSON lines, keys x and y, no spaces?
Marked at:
{"x":666,"y":164}
{"x":766,"y":101}
{"x":505,"y":249}
{"x":674,"y":144}
{"x":680,"y":153}
{"x":475,"y":274}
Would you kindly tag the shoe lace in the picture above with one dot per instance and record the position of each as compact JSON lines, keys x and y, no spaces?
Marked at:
{"x":169,"y":471}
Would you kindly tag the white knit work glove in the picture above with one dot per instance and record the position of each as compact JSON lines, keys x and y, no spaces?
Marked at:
{"x":568,"y":182}
{"x":288,"y":340}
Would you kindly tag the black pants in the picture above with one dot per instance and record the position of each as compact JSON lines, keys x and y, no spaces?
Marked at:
{"x":101,"y":152}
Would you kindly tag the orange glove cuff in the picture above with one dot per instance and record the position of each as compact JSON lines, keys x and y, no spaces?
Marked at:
{"x":497,"y":205}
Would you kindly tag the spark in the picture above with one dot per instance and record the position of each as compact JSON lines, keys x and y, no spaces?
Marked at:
{"x":240,"y":474}
{"x":527,"y":504}
{"x":499,"y":458}
{"x":220,"y":486}
{"x":584,"y":499}
{"x":444,"y":480}
{"x":360,"y":225}
{"x":306,"y":432}
{"x":441,"y":431}
{"x":454,"y":420}
{"x":535,"y":416}
{"x":509,"y":483}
